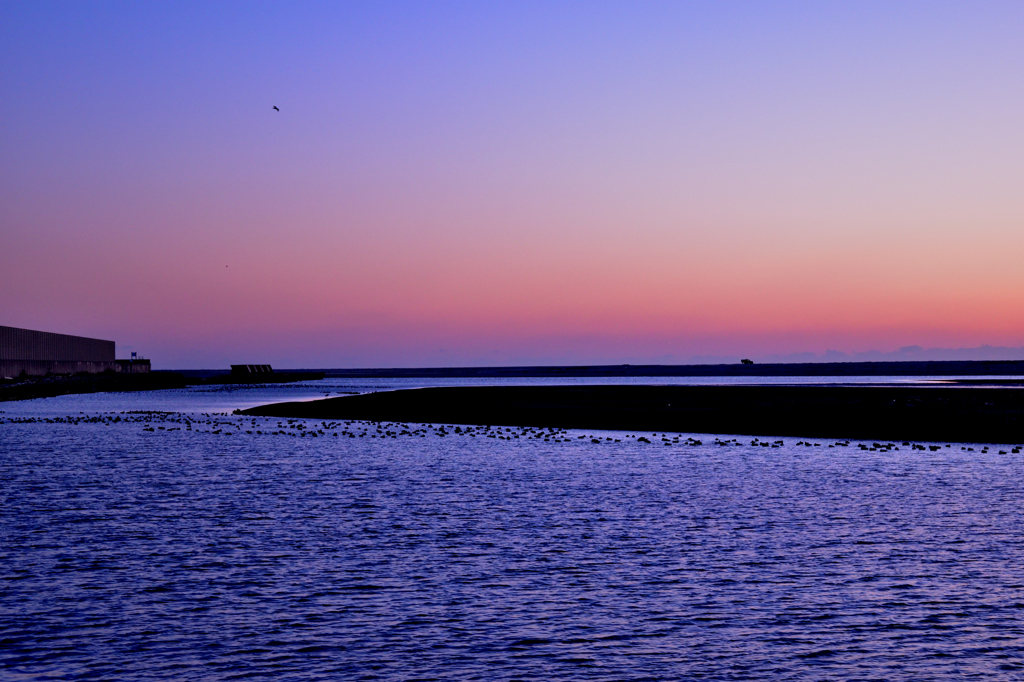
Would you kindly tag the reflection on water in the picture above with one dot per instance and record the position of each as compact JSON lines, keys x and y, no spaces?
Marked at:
{"x":199,"y":545}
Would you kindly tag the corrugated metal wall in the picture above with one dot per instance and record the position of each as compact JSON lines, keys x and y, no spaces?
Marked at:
{"x":26,"y":344}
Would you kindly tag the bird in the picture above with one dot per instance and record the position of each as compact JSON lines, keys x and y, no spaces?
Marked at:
{"x":276,"y":109}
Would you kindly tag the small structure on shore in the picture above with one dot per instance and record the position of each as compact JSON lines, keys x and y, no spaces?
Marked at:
{"x":263,"y":374}
{"x":245,"y":370}
{"x":35,"y":353}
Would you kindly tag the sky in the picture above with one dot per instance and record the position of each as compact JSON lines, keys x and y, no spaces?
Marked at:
{"x":509,"y":183}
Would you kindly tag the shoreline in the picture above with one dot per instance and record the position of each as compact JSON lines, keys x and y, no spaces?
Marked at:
{"x":55,"y":385}
{"x":935,"y":414}
{"x":30,"y":388}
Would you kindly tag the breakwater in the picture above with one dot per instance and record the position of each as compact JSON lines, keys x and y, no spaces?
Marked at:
{"x":49,"y":386}
{"x":918,"y":368}
{"x":62,"y":384}
{"x":954,"y":414}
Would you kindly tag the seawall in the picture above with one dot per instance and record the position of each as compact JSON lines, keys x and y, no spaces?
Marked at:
{"x":14,"y":368}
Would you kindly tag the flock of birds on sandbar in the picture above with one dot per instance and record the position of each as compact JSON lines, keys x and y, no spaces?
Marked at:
{"x":231,"y":425}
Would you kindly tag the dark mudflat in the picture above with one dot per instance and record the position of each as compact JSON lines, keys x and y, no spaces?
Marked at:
{"x":993,"y":415}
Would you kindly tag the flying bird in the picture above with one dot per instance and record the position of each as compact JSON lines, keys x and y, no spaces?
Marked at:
{"x":276,"y":109}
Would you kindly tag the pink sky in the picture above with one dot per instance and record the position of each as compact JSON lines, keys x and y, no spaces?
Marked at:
{"x":517,"y":184}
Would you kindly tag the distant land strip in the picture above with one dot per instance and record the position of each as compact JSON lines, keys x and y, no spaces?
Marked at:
{"x":31,"y":388}
{"x":909,"y":368}
{"x":50,"y":386}
{"x":950,"y":414}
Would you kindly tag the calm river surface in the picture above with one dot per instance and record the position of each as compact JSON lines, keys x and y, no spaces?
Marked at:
{"x":180,"y":542}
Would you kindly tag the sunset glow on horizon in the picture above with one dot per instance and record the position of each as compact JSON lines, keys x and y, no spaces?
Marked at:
{"x":521,"y":183}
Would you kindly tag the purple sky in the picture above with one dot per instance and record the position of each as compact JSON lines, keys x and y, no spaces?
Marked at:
{"x":517,"y":183}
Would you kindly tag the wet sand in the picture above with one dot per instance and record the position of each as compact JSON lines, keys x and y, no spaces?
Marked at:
{"x":941,"y":413}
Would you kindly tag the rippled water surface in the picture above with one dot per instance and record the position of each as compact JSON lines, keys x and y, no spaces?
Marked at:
{"x":178,"y":545}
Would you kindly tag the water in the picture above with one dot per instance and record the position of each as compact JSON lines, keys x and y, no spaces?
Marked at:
{"x":130,"y":553}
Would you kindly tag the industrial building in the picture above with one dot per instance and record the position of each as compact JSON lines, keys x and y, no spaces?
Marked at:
{"x":35,"y":353}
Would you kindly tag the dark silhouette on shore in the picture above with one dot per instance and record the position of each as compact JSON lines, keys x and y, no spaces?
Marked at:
{"x":29,"y":388}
